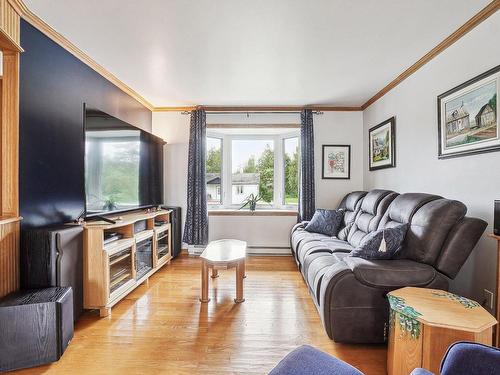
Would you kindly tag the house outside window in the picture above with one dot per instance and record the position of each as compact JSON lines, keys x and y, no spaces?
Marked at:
{"x":261,"y":161}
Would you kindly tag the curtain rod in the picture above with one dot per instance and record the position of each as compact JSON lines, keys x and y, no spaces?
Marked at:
{"x":252,"y":112}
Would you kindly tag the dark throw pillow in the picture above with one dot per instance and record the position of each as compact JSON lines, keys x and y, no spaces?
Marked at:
{"x":326,"y":222}
{"x":372,"y":247}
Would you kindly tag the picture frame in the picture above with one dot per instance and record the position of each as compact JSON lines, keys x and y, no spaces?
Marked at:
{"x":468,"y":117}
{"x":382,"y":145}
{"x":336,"y":162}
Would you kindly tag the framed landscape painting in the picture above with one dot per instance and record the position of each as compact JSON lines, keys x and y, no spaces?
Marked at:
{"x":382,"y":145}
{"x":468,"y":117}
{"x":336,"y":162}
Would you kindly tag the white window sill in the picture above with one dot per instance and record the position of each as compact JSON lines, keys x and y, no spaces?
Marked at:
{"x":258,"y":212}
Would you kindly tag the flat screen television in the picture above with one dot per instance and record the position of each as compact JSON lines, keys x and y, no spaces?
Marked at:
{"x":123,"y":165}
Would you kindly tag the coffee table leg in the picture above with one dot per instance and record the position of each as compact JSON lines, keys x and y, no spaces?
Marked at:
{"x":204,"y":282}
{"x":240,"y":274}
{"x":215,"y":273}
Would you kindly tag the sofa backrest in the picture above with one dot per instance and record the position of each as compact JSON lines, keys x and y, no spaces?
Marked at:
{"x":436,"y":225}
{"x":372,"y":209}
{"x":351,"y":204}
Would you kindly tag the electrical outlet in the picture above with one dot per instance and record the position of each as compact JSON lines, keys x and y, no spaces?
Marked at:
{"x":488,"y":299}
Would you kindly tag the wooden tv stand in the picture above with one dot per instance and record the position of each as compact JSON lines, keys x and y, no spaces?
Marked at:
{"x":111,"y":270}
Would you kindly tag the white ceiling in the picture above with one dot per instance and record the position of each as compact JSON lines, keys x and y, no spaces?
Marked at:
{"x":260,"y":52}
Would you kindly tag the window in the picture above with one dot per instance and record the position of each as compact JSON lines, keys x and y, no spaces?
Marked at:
{"x":262,"y":162}
{"x":252,"y":169}
{"x":213,"y":165}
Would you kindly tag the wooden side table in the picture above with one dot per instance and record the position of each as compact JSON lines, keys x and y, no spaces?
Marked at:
{"x":425,"y":322}
{"x":497,"y":296}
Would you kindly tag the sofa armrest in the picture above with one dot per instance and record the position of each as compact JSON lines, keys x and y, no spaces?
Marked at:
{"x":459,"y":244}
{"x":302,"y":225}
{"x":389,"y":274}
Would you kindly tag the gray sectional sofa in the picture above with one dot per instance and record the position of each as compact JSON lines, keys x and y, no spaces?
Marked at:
{"x":349,"y":292}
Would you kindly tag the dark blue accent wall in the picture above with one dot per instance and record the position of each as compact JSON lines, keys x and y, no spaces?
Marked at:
{"x":54,"y":85}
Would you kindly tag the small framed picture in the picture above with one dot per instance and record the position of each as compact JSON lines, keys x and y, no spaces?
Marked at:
{"x":336,"y":162}
{"x":468,"y":117}
{"x":382,"y":145}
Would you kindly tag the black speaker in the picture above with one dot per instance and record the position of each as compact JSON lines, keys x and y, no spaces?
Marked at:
{"x":176,"y":229}
{"x":36,"y":327}
{"x":496,"y":219}
{"x":53,"y":256}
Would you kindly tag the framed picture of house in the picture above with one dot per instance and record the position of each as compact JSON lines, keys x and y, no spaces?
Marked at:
{"x":382,"y":145}
{"x":336,"y":162}
{"x":468,"y":117}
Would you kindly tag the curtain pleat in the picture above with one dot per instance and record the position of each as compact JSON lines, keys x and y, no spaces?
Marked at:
{"x":306,"y":188}
{"x":196,"y":227}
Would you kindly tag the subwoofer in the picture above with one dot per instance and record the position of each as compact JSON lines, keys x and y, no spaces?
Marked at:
{"x":36,"y":327}
{"x":496,"y":220}
{"x":176,"y":229}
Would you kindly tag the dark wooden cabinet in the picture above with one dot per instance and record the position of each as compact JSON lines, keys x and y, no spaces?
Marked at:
{"x":36,"y":327}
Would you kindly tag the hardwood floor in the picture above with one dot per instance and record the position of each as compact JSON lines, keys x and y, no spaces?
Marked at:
{"x":162,"y":328}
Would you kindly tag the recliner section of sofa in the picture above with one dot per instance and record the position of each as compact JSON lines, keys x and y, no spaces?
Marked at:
{"x":371,"y":211}
{"x":349,"y":292}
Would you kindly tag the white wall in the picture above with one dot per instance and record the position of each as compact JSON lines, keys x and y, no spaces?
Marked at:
{"x":340,"y":128}
{"x":474,"y":180}
{"x":330,"y":128}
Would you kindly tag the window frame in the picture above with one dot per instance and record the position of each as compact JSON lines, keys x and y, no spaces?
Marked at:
{"x":221,"y":186}
{"x":279,"y":168}
{"x":285,"y":137}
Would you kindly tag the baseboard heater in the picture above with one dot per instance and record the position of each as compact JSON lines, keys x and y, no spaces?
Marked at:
{"x":251,"y":250}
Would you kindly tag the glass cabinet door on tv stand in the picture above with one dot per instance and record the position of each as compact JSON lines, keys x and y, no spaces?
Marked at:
{"x":163,"y":248}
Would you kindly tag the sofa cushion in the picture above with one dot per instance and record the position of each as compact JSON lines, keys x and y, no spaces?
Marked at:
{"x":316,"y":265}
{"x":404,"y":206}
{"x":344,"y":232}
{"x":381,"y":244}
{"x":326,"y":222}
{"x":315,"y":249}
{"x":336,"y":245}
{"x":311,"y":247}
{"x":374,"y":206}
{"x":351,"y":204}
{"x":390,"y":273}
{"x":300,"y":237}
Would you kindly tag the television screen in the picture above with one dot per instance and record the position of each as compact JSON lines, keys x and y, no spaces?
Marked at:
{"x":123,"y":165}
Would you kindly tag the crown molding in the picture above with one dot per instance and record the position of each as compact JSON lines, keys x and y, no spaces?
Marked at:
{"x":42,"y":26}
{"x":485,"y":13}
{"x":324,"y":108}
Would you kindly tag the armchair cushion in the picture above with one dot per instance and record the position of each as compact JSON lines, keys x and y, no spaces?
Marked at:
{"x":306,"y":360}
{"x":470,"y":358}
{"x":390,"y":273}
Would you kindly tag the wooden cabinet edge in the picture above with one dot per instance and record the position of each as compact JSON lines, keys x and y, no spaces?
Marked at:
{"x":8,"y":219}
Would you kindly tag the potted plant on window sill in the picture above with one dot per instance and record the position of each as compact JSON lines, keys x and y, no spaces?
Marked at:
{"x":251,"y":202}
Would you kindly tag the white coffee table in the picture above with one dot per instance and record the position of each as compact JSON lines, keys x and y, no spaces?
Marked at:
{"x":223,"y":254}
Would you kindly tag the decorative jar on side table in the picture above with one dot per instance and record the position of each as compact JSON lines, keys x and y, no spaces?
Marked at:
{"x":425,"y":322}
